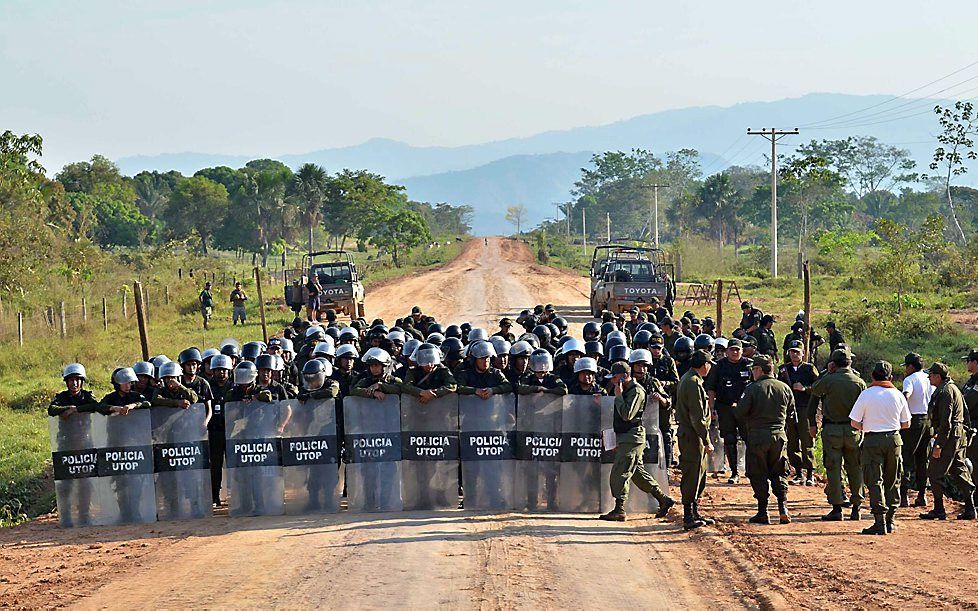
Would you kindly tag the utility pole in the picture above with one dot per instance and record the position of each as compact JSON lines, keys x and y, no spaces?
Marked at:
{"x":608,"y":220}
{"x":773,"y":135}
{"x":654,"y":212}
{"x":584,"y":229}
{"x":566,"y":212}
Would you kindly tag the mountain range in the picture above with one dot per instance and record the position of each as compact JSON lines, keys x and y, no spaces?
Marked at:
{"x":541,"y":169}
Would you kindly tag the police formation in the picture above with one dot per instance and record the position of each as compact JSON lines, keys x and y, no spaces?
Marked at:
{"x":417,"y":415}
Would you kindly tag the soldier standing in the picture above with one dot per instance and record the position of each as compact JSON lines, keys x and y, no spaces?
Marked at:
{"x":800,"y":376}
{"x":947,"y":459}
{"x":751,"y":317}
{"x":916,"y":438}
{"x":970,"y":393}
{"x":835,"y":337}
{"x":767,"y":344}
{"x":238,"y":299}
{"x":763,"y":409}
{"x":724,"y":386}
{"x":693,"y":415}
{"x":630,"y":403}
{"x":206,"y":303}
{"x":881,"y":412}
{"x":838,"y":391}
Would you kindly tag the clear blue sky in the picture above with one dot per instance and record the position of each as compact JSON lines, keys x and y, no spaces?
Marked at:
{"x":251,"y":77}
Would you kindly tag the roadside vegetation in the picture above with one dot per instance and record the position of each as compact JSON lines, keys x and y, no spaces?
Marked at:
{"x":88,"y":233}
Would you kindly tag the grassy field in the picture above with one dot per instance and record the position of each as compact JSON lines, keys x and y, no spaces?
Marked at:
{"x":30,"y":375}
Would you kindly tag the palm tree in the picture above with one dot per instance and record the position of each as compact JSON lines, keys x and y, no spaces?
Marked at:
{"x":308,"y":192}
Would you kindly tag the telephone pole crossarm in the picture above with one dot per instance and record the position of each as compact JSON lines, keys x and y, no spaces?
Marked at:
{"x":773,"y":135}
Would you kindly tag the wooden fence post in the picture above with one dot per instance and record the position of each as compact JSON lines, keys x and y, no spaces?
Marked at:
{"x":261,"y":304}
{"x":125,"y":305}
{"x":166,"y":294}
{"x":105,"y":315}
{"x":137,"y":290}
{"x":719,"y":308}
{"x":808,"y":311}
{"x":20,"y":328}
{"x":146,"y":303}
{"x":61,"y":319}
{"x":84,"y":309}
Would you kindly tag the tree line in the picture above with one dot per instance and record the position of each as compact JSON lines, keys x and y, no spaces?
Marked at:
{"x":826,"y":189}
{"x":263,"y":207}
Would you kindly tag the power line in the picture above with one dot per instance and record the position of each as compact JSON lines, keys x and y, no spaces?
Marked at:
{"x":894,"y":98}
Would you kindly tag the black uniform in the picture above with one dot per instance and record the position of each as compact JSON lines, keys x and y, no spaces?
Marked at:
{"x":216,"y":436}
{"x":801,"y":444}
{"x":728,"y":381}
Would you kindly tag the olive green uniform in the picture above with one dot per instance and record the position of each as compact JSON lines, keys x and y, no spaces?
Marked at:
{"x":693,"y":417}
{"x":947,"y":411}
{"x":970,"y":393}
{"x":838,"y":392}
{"x":882,"y":461}
{"x":630,"y":439}
{"x":762,"y":410}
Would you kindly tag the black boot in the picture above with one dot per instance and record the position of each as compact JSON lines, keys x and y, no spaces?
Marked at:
{"x":904,"y":496}
{"x":761,"y":516}
{"x":833,"y":516}
{"x":665,"y":504}
{"x":783,"y":516}
{"x":615,"y":515}
{"x":731,"y":453}
{"x":937,"y":513}
{"x":969,"y":509}
{"x":689,"y":518}
{"x":878,"y":527}
{"x":890,"y":524}
{"x":921,"y":498}
{"x":696,"y":512}
{"x":854,"y":514}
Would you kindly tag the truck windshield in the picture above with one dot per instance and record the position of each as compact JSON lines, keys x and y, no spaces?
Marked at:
{"x":332,"y":273}
{"x":631,"y":271}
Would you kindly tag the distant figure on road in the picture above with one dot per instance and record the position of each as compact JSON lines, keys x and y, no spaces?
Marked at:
{"x":206,"y":303}
{"x":312,"y":305}
{"x":238,"y":299}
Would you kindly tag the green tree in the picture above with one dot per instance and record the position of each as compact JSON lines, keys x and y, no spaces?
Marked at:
{"x":959,"y":126}
{"x":307,"y":192}
{"x":153,"y":189}
{"x":903,"y":253}
{"x":720,"y":204}
{"x":396,"y":228}
{"x":197,"y":205}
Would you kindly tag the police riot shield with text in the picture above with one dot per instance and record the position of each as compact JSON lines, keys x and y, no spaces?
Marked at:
{"x":125,"y":467}
{"x":310,"y":458}
{"x":429,"y":453}
{"x":580,"y":481}
{"x":253,"y":459}
{"x":75,"y":462}
{"x":181,"y":461}
{"x":538,"y":450}
{"x":487,"y":440}
{"x":373,"y":451}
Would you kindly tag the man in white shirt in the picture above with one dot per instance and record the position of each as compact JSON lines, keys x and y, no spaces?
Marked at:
{"x":916,"y":439}
{"x":881,"y":412}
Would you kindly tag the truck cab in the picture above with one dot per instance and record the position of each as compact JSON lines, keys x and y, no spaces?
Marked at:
{"x":340,"y":280}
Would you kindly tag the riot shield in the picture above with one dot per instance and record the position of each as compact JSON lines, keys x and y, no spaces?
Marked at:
{"x":75,"y":462}
{"x":254,"y":462}
{"x":125,"y":467}
{"x":487,"y":432}
{"x":580,"y":481}
{"x":717,"y":459}
{"x":181,"y":462}
{"x":429,"y":453}
{"x":373,"y":449}
{"x":538,"y":444}
{"x":310,"y":457}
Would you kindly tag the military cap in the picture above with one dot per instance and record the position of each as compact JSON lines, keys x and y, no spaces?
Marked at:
{"x":939,"y":368}
{"x":761,"y":360}
{"x":415,"y":310}
{"x":839,"y":355}
{"x":767,"y":318}
{"x":656,"y":341}
{"x":667,"y":322}
{"x":750,"y":340}
{"x":699,"y":359}
{"x":735,"y":343}
{"x":619,"y":368}
{"x":883,"y":369}
{"x":634,"y":310}
{"x":830,"y":325}
{"x":913,"y":359}
{"x":505,"y":322}
{"x":796,"y":344}
{"x":745,"y":305}
{"x":971,"y":356}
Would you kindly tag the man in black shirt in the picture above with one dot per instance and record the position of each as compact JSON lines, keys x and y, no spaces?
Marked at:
{"x":724,"y":386}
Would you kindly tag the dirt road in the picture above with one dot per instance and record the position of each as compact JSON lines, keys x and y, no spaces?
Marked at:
{"x":465,"y":559}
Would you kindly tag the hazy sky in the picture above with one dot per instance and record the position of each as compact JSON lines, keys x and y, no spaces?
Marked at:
{"x":264,"y":78}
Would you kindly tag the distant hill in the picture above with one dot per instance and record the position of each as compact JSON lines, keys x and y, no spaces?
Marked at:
{"x":540,"y":169}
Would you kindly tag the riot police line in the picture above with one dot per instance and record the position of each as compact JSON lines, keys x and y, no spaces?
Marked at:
{"x":537,"y":452}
